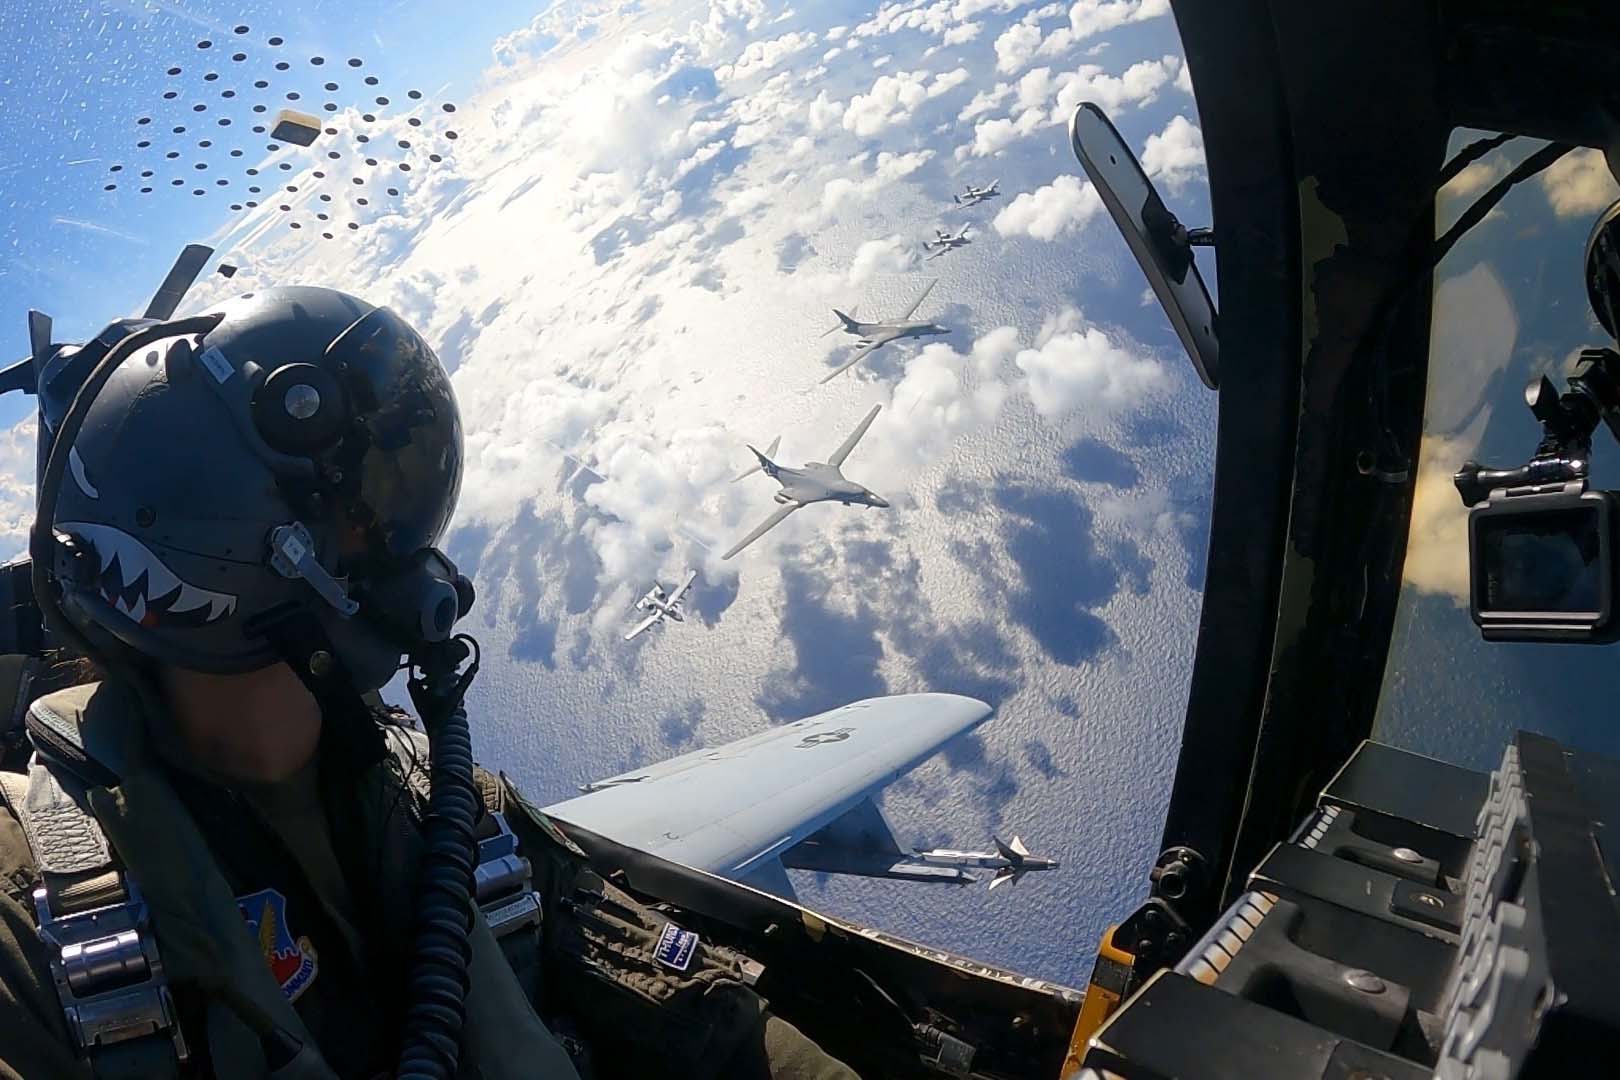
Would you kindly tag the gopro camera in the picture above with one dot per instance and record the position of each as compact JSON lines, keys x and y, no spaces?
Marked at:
{"x":1541,"y":547}
{"x":1542,"y":565}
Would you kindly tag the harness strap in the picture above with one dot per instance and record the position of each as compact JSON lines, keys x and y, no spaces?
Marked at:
{"x":18,"y":675}
{"x":503,"y":877}
{"x":103,"y":952}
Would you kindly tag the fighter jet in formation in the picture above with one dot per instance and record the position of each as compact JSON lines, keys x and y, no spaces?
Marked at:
{"x":661,"y":605}
{"x":874,"y":335}
{"x":815,"y":481}
{"x":972,"y":196}
{"x":944,"y":240}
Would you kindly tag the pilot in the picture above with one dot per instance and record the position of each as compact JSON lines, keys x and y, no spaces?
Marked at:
{"x":213,"y":864}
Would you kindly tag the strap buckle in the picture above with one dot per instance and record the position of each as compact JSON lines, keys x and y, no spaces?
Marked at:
{"x":108,"y":975}
{"x":504,"y":882}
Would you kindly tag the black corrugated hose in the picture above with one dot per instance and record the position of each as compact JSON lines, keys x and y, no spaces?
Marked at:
{"x":437,"y":981}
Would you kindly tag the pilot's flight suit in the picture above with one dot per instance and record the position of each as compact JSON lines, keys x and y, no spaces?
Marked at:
{"x":295,"y":898}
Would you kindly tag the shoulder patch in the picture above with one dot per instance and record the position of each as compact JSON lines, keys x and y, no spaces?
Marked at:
{"x":676,"y":947}
{"x":292,"y":960}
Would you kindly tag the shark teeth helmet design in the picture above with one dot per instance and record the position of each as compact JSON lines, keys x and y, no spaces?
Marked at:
{"x":136,"y":583}
{"x":303,"y":454}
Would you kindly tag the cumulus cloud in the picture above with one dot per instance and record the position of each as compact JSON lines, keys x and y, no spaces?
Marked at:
{"x":889,"y":255}
{"x":557,"y":27}
{"x":1152,"y":512}
{"x":1579,"y":183}
{"x":984,"y":101}
{"x":1042,"y":97}
{"x":1475,"y":178}
{"x":1075,"y":365}
{"x":764,"y":55}
{"x":1015,"y":47}
{"x":17,"y":449}
{"x":1176,"y":154}
{"x":993,"y":136}
{"x":893,"y":98}
{"x":1137,"y":85}
{"x":1048,"y":212}
{"x":1438,"y":533}
{"x":1088,"y":18}
{"x":961,"y":34}
{"x":991,"y":351}
{"x":824,"y":111}
{"x":727,"y":19}
{"x":1184,"y":79}
{"x":938,"y":400}
{"x":947,"y":80}
{"x":1476,"y":329}
{"x":940,"y":17}
{"x":888,"y":168}
{"x":747,"y":200}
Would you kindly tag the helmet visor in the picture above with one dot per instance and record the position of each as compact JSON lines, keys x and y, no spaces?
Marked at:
{"x":397,"y":471}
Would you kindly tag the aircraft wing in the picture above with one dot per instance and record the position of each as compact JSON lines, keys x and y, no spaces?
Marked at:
{"x":854,"y":358}
{"x":643,"y":626}
{"x":917,"y":303}
{"x":675,"y":597}
{"x":842,"y":452}
{"x":736,"y":809}
{"x":764,"y":527}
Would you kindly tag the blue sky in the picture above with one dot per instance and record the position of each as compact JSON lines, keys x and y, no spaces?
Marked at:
{"x":76,"y":78}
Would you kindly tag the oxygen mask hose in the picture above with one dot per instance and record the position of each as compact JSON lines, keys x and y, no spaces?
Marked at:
{"x":437,"y":982}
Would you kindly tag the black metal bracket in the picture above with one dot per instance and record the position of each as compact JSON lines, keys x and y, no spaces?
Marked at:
{"x":1159,"y":932}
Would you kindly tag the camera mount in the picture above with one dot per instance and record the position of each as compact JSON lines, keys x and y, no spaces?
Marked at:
{"x":1567,"y":420}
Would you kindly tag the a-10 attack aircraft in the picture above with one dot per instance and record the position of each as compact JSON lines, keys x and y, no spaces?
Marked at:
{"x":661,"y":606}
{"x":874,"y":335}
{"x":971,"y":195}
{"x":798,"y":796}
{"x":815,"y":481}
{"x":944,"y":240}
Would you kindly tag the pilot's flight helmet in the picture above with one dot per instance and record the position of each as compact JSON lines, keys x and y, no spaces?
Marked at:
{"x":305,"y":451}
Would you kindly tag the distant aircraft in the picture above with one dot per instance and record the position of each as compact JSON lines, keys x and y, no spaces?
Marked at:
{"x":798,"y":796}
{"x":1010,"y":861}
{"x":944,"y":240}
{"x":972,"y":196}
{"x":816,"y":481}
{"x":875,"y":335}
{"x":661,"y":606}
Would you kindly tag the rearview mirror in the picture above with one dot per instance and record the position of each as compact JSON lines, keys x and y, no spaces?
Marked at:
{"x":1161,"y":244}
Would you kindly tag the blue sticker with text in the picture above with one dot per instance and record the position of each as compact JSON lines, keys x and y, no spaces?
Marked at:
{"x":676,"y":947}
